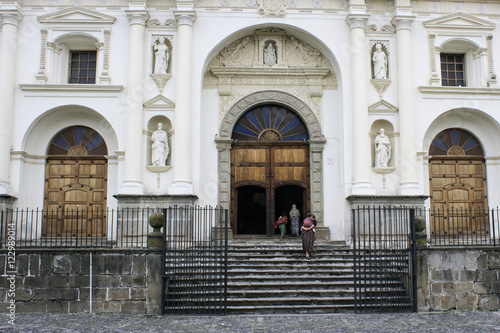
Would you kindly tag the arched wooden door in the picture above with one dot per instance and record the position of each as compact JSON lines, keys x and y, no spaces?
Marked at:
{"x":270,"y":151}
{"x":457,"y":184}
{"x":75,"y":184}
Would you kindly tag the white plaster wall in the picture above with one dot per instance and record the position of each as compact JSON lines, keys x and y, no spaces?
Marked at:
{"x":327,"y":32}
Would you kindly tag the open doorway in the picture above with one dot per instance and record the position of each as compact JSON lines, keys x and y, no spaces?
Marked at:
{"x":285,"y":197}
{"x":251,"y":210}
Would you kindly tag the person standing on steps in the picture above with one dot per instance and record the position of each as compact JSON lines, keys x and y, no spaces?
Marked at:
{"x":294,"y":220}
{"x":281,"y":224}
{"x":308,"y":234}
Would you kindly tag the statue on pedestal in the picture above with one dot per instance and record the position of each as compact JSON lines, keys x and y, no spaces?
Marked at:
{"x":270,"y":55}
{"x":161,"y":56}
{"x":159,"y":148}
{"x":379,"y":63}
{"x":382,"y":150}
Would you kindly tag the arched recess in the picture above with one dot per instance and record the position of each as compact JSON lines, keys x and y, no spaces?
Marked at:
{"x":39,"y":134}
{"x":76,"y":176}
{"x":457,"y":184}
{"x":315,"y":145}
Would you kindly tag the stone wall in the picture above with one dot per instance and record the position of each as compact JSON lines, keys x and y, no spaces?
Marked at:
{"x":58,"y":280}
{"x":458,"y":279}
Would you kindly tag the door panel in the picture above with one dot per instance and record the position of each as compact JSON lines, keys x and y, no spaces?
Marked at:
{"x":75,"y":196}
{"x":458,"y":188}
{"x":268,"y":165}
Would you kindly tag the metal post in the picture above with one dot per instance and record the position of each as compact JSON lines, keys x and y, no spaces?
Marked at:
{"x":413,"y":259}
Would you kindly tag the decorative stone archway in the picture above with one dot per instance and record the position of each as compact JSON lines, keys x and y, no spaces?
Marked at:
{"x":316,"y":145}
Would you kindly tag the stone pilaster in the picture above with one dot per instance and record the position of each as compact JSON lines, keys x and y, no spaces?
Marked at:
{"x":408,"y":146}
{"x":133,"y":153}
{"x":359,"y":88}
{"x":181,"y":152}
{"x":10,"y":19}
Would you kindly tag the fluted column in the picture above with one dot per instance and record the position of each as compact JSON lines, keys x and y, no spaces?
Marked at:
{"x":8,"y":57}
{"x":135,"y":97}
{"x":359,"y":88}
{"x":181,"y":153}
{"x":408,"y":145}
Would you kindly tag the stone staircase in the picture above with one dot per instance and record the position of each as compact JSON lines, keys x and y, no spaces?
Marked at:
{"x":273,"y":276}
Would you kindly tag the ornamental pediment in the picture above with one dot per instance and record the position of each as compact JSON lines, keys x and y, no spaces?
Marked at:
{"x":76,"y":15}
{"x":459,"y":21}
{"x":159,"y":102}
{"x":269,"y":56}
{"x":382,"y":106}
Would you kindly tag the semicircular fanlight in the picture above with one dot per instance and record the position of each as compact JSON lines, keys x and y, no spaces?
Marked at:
{"x":270,"y":123}
{"x":78,"y":141}
{"x":455,"y":142}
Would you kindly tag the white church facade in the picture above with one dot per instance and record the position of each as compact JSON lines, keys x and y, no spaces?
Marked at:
{"x":252,"y":105}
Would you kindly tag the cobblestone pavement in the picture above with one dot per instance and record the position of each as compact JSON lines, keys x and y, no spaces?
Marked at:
{"x":466,"y":321}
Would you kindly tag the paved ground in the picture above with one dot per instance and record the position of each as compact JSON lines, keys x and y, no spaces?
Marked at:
{"x":456,"y":322}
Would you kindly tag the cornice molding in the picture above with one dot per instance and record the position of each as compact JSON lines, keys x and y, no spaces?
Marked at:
{"x":70,"y":88}
{"x":459,"y":90}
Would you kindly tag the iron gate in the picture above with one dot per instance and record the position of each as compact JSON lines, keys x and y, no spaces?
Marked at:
{"x":384,"y":259}
{"x":195,"y":258}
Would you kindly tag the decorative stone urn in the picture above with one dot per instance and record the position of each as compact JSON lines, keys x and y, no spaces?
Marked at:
{"x":155,"y":238}
{"x":420,"y":236}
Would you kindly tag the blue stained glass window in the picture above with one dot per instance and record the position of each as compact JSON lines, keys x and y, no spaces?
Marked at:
{"x":243,"y":130}
{"x":439,"y":143}
{"x":454,"y":136}
{"x":79,"y":134}
{"x":254,"y":120}
{"x":298,"y":137}
{"x":470,"y":144}
{"x":265,"y":111}
{"x":295,"y":122}
{"x":96,"y":145}
{"x":289,"y":125}
{"x":96,"y":141}
{"x":61,"y":142}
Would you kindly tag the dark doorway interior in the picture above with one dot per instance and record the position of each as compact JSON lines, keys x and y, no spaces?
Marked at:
{"x":251,"y":210}
{"x":285,"y":197}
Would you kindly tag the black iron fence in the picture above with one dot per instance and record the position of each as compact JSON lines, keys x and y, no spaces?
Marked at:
{"x":120,"y":228}
{"x":463,"y":227}
{"x":195,"y":257}
{"x":384,"y":259}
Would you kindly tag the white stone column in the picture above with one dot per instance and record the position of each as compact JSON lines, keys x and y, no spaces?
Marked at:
{"x":181,"y":152}
{"x":408,"y":146}
{"x":359,"y":94}
{"x":132,"y":183}
{"x":8,"y":58}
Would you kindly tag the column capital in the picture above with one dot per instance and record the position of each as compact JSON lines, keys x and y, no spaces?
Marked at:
{"x":10,"y":17}
{"x":137,"y":16}
{"x":357,"y":21}
{"x":402,"y":22}
{"x":185,"y":17}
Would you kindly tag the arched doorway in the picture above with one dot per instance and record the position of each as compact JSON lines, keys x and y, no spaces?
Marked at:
{"x":75,"y":184}
{"x":457,"y":184}
{"x":269,"y":168}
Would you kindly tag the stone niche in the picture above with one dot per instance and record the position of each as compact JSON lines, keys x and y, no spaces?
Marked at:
{"x":241,"y":69}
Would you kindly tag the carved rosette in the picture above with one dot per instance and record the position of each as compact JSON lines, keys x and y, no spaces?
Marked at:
{"x":272,"y":7}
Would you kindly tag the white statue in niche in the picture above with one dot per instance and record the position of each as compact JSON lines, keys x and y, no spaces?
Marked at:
{"x":379,"y":63}
{"x":159,"y":148}
{"x":270,"y":55}
{"x":382,"y":150}
{"x":161,"y":56}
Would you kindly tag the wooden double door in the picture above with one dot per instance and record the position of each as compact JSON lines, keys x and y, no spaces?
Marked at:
{"x":266,"y":179}
{"x":458,"y":195}
{"x":75,"y":197}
